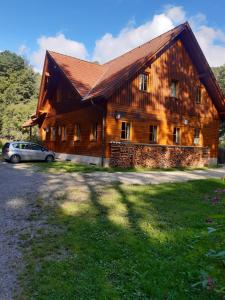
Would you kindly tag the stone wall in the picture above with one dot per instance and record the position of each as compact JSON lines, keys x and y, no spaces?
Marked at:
{"x":157,"y":156}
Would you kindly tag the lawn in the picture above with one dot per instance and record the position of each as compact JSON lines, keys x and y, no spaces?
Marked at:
{"x":130,"y":242}
{"x":71,"y":167}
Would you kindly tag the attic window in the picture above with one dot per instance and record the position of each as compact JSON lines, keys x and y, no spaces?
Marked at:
{"x":174,"y":88}
{"x":198,"y":95}
{"x":143,"y":82}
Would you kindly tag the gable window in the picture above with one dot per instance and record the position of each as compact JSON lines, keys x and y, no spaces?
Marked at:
{"x":143,"y":82}
{"x":76,"y":137}
{"x":94,"y":131}
{"x":63,"y":133}
{"x":198,"y":95}
{"x":125,"y":131}
{"x":197,"y":136}
{"x":176,"y":135}
{"x":174,"y":88}
{"x":153,"y":134}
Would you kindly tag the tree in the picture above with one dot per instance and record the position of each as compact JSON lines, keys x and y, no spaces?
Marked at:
{"x":18,"y":94}
{"x":14,"y":116}
{"x":220,"y":76}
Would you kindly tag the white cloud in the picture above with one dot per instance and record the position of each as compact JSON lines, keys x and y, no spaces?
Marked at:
{"x":175,"y":13}
{"x":58,"y":43}
{"x":109,"y":46}
{"x":211,"y":40}
{"x":24,"y":51}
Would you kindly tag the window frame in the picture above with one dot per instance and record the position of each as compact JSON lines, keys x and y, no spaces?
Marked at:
{"x":94,"y":132}
{"x":153,"y":133}
{"x":63,"y":133}
{"x":126,"y":130}
{"x":175,"y":83}
{"x":52,"y":134}
{"x":196,"y":140}
{"x":77,"y":134}
{"x":198,"y":96}
{"x":144,"y":82}
{"x":176,"y":135}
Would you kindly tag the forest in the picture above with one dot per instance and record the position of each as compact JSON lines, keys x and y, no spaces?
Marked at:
{"x":19,"y":86}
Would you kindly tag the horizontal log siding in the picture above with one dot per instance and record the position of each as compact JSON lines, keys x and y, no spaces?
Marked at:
{"x":85,"y":117}
{"x":143,"y":109}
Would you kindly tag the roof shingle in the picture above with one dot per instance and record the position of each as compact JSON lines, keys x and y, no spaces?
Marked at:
{"x":92,"y":79}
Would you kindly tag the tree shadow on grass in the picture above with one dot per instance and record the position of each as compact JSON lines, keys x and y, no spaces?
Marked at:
{"x":130,"y":242}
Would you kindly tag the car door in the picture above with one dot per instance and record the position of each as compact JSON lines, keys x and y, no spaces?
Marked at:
{"x":36,"y":152}
{"x":21,"y":149}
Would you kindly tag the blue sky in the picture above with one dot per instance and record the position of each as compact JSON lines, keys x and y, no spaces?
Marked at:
{"x":100,"y":30}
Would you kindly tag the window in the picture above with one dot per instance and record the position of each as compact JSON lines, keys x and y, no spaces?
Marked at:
{"x":176,"y":135}
{"x":125,"y":130}
{"x":59,"y":130}
{"x":198,"y":95}
{"x":94,"y":130}
{"x":153,"y":134}
{"x":143,"y":82}
{"x":43,"y":134}
{"x":19,"y":146}
{"x":76,"y":136}
{"x":174,"y":88}
{"x":197,"y":136}
{"x":63,"y":133}
{"x":52,"y":133}
{"x":35,"y":147}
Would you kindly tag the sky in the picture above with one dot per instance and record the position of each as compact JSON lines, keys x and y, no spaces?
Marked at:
{"x":100,"y":30}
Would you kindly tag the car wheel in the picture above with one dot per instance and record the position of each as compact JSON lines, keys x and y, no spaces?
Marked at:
{"x":15,"y":159}
{"x":49,"y":158}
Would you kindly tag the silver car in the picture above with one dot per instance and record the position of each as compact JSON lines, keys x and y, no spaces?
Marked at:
{"x":26,"y":151}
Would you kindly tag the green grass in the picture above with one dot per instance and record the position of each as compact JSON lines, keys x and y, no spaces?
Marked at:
{"x":71,"y":167}
{"x":130,"y":242}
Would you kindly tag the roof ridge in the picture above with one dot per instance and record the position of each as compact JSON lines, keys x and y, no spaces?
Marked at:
{"x":158,"y":36}
{"x":87,"y":61}
{"x":97,"y":81}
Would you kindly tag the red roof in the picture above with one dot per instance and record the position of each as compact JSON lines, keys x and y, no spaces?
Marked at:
{"x":92,"y":79}
{"x":95,"y":80}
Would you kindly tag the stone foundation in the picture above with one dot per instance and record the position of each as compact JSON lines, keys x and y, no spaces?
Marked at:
{"x":157,"y":156}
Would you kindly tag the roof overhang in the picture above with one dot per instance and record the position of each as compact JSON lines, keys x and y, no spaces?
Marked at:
{"x":35,"y":120}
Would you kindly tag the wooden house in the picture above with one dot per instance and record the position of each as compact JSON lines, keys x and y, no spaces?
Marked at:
{"x":158,"y":105}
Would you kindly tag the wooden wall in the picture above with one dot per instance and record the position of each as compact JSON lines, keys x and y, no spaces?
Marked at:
{"x":64,"y":108}
{"x":157,"y":107}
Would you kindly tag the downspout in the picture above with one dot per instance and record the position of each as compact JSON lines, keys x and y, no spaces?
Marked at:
{"x":103,"y":132}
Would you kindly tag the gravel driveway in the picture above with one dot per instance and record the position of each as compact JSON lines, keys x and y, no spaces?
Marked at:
{"x":20,"y":186}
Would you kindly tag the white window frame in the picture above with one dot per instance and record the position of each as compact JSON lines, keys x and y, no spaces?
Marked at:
{"x":153,"y":133}
{"x":176,"y":135}
{"x":126,"y":130}
{"x":143,"y":82}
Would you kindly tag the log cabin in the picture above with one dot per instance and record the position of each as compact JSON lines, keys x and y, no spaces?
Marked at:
{"x":158,"y":105}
